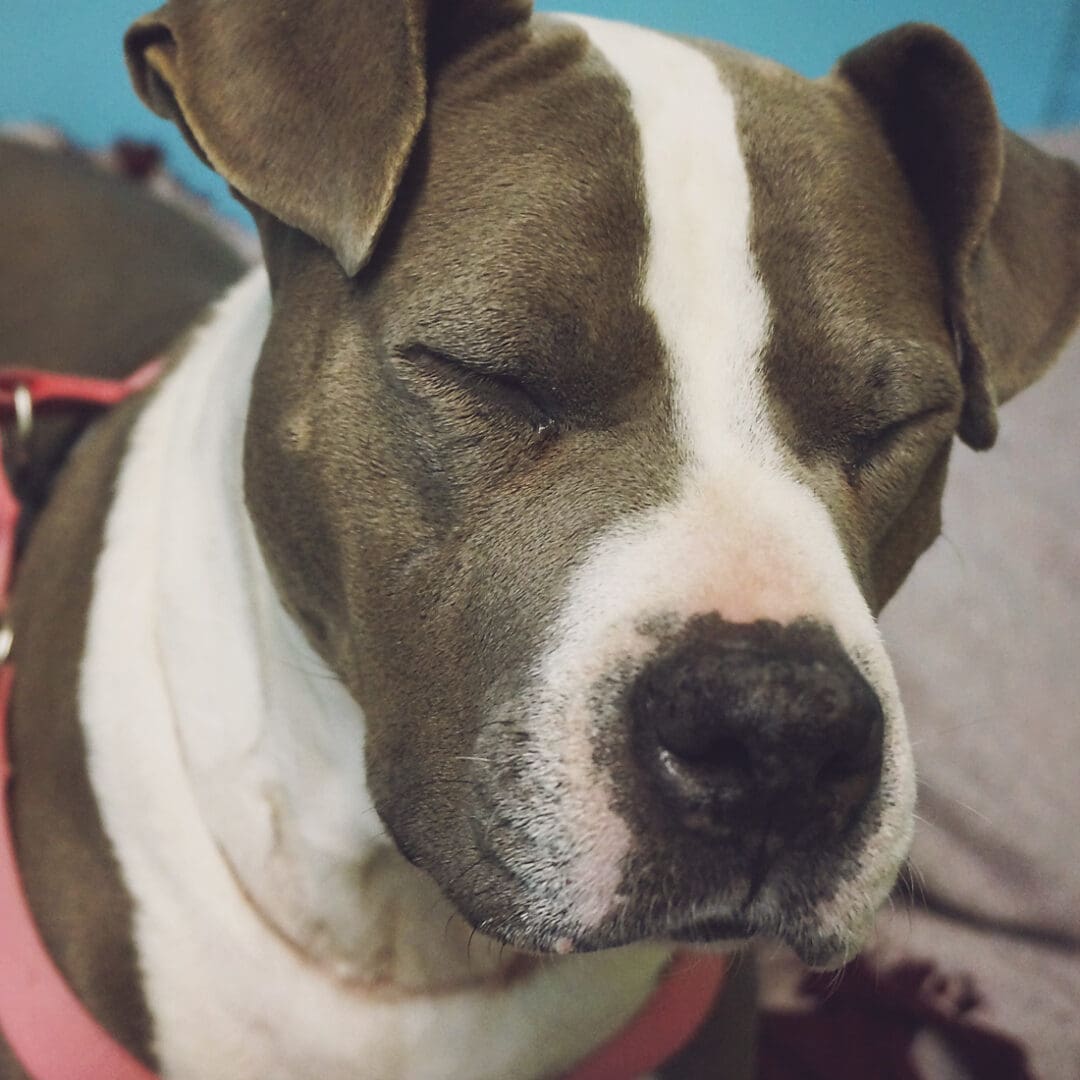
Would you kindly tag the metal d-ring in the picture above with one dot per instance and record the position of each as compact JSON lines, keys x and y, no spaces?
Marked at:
{"x":24,"y":413}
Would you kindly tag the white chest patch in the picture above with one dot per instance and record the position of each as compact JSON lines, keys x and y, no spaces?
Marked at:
{"x":270,"y":910}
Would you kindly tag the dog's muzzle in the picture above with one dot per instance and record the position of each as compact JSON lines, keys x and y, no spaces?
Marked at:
{"x":715,"y":782}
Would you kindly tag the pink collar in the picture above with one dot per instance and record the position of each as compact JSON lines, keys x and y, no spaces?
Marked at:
{"x":664,"y":1024}
{"x":51,"y":1032}
{"x":48,"y":1028}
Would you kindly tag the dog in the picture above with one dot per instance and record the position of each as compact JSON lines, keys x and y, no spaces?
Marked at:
{"x":482,"y":606}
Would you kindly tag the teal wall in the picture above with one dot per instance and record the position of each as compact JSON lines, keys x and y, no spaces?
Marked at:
{"x":60,"y":62}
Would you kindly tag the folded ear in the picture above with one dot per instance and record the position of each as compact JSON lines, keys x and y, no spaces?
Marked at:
{"x":1005,"y":217}
{"x":308,"y":108}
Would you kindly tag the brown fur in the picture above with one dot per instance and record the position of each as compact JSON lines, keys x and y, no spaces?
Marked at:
{"x":208,"y":65}
{"x":876,"y":264}
{"x":859,"y":342}
{"x":72,"y":883}
{"x":449,"y":560}
{"x":1003,"y":214}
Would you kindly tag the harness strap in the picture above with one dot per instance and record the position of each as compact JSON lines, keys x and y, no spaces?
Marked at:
{"x":49,"y":1029}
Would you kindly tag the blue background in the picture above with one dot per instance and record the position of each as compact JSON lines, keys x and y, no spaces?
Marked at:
{"x":61,"y":62}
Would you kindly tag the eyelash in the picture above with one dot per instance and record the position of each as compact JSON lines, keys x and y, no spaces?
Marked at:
{"x":869,"y":448}
{"x":505,"y":391}
{"x":865,"y":448}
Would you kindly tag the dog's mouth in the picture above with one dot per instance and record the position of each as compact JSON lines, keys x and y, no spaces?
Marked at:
{"x":733,"y":782}
{"x":626,"y":879}
{"x":815,"y":946}
{"x":789,"y":904}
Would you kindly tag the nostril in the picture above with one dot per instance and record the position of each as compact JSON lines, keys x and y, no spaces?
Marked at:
{"x":847,"y":777}
{"x":710,"y":785}
{"x":838,"y":768}
{"x":721,"y":754}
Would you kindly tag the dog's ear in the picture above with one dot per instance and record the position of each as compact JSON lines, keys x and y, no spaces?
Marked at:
{"x":308,"y":108}
{"x":1005,"y":217}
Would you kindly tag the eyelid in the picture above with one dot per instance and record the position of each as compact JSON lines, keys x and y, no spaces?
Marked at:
{"x":871,"y":445}
{"x":418,"y":352}
{"x":523,"y":398}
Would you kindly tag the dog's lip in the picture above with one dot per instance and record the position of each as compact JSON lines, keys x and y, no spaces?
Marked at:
{"x":724,"y":931}
{"x":816,"y":950}
{"x":727,"y":925}
{"x":713,"y":929}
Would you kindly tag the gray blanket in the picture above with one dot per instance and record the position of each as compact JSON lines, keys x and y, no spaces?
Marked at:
{"x":986,"y":640}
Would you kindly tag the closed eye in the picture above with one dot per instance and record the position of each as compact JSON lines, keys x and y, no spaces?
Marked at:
{"x":867,"y":449}
{"x":505,"y":391}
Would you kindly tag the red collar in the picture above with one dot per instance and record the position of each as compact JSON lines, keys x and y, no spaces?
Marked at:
{"x":51,"y":1032}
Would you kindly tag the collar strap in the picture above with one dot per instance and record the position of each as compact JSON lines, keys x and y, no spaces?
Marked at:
{"x":665,"y":1023}
{"x":53,"y":1035}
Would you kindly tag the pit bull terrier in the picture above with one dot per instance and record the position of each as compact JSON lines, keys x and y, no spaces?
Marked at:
{"x":483,"y":604}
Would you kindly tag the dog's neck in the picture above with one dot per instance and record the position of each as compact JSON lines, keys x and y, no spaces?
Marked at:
{"x":228,"y":765}
{"x":272,"y":741}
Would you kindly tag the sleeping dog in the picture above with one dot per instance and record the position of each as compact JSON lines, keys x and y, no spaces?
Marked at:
{"x":482,"y":606}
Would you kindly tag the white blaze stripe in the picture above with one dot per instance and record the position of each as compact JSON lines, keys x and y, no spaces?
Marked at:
{"x":744,"y":538}
{"x":701,"y":286}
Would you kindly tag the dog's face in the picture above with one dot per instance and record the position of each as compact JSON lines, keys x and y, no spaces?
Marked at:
{"x":590,"y":481}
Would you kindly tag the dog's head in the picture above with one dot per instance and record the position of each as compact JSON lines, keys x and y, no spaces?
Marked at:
{"x":608,"y":395}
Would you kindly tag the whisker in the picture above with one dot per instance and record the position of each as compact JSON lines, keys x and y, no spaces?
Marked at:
{"x":454,"y":881}
{"x":953,"y":799}
{"x":928,"y":738}
{"x":914,"y":882}
{"x":324,"y":671}
{"x":958,"y":551}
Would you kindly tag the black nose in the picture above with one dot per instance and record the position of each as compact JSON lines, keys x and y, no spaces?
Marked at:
{"x":752,"y":728}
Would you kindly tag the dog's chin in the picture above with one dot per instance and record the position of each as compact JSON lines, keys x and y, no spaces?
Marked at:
{"x":817,"y":950}
{"x":824,"y":919}
{"x":818,"y":947}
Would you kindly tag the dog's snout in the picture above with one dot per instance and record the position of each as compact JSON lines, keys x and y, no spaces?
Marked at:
{"x":758,"y":728}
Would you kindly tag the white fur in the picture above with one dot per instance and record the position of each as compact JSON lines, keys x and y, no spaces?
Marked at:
{"x":745,"y":537}
{"x":279,"y":933}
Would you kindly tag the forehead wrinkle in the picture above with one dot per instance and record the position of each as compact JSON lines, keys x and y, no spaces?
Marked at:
{"x":519,"y":238}
{"x":909,"y":374}
{"x":839,"y":239}
{"x":701,"y":284}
